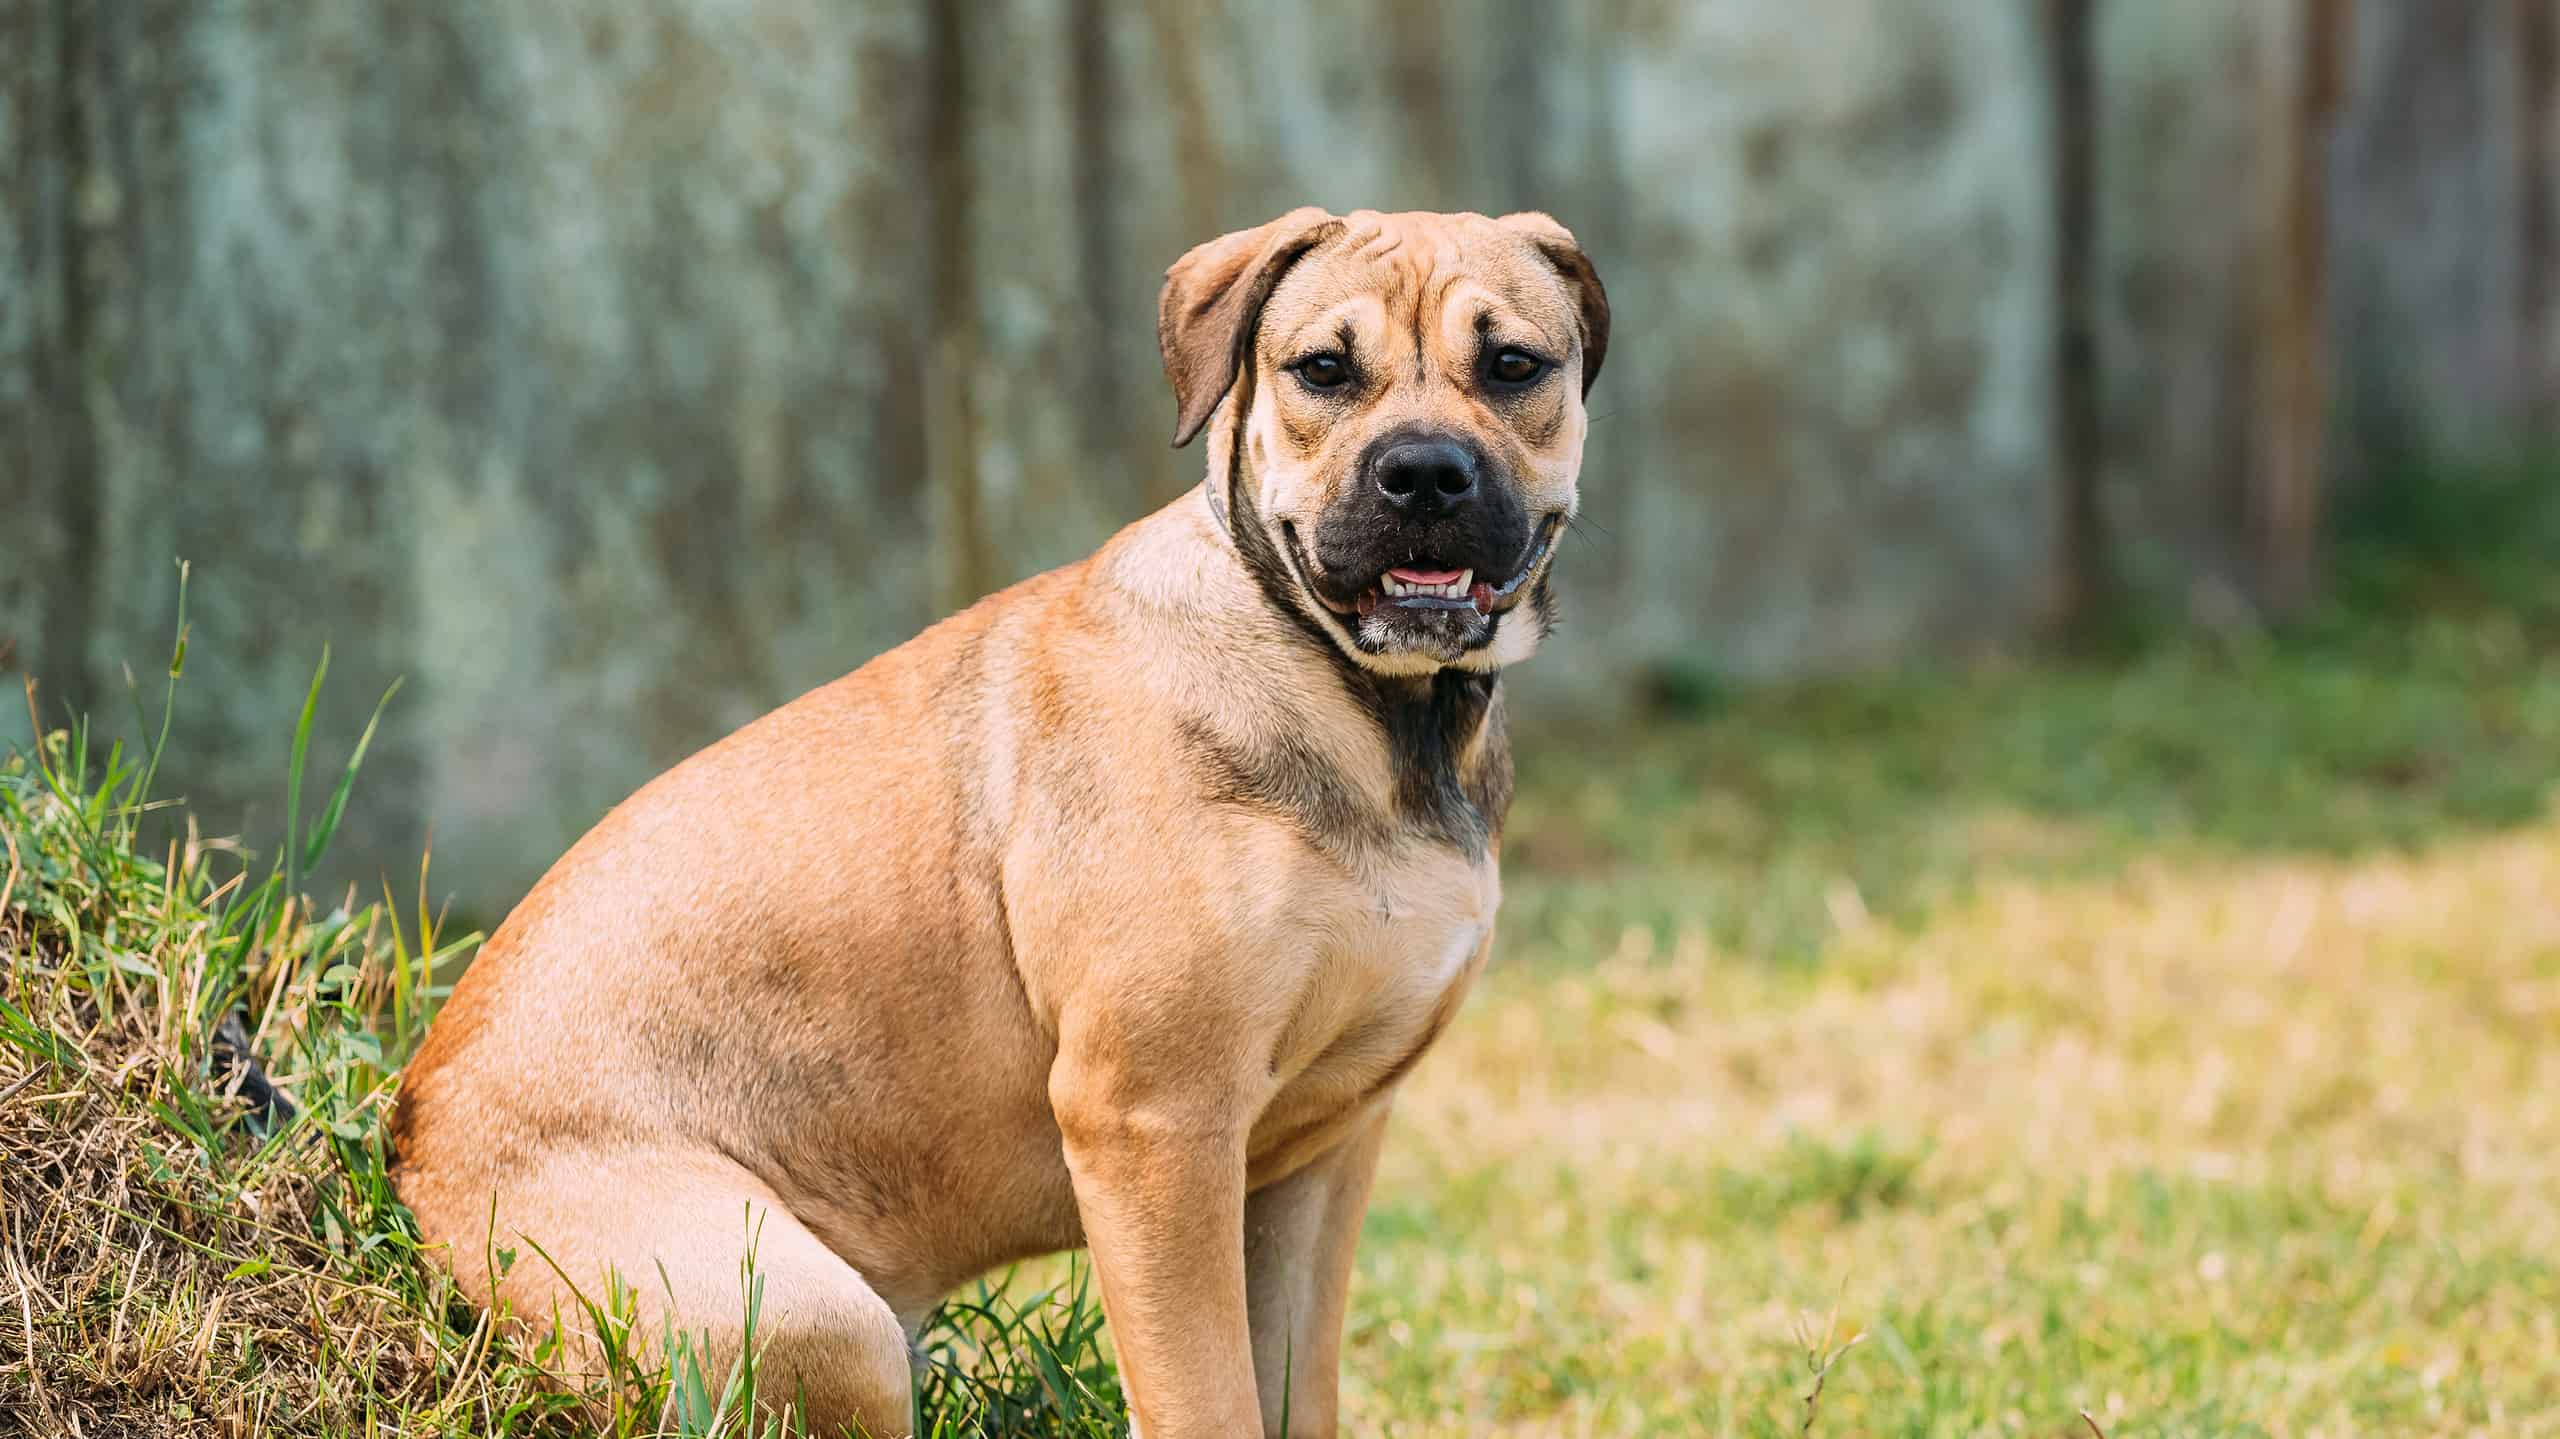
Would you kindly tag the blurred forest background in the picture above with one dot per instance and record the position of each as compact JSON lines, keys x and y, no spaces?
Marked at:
{"x":615,"y":372}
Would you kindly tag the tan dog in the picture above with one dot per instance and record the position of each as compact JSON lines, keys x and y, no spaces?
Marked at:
{"x":1108,"y":912}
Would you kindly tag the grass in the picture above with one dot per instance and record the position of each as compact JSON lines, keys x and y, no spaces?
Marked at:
{"x":1939,"y":1054}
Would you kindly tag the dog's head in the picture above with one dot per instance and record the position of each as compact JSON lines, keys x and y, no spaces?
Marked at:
{"x":1399,"y":402}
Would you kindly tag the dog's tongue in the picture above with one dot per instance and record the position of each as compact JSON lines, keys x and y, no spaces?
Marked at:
{"x":1425,"y":577}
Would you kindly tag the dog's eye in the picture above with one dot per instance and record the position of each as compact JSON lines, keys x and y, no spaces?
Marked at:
{"x":1515,"y":367}
{"x":1322,"y":372}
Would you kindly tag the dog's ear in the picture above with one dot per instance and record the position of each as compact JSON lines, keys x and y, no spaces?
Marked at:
{"x":1213,"y":298}
{"x":1591,"y":302}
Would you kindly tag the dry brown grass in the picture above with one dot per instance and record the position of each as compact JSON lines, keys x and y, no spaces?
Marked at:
{"x":2204,"y":1147}
{"x":169,"y":1270}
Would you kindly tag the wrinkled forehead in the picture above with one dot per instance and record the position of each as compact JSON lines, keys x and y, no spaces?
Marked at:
{"x":1395,"y":274}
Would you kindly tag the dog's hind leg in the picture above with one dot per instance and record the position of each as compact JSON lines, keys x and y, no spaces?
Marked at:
{"x":677,"y":1231}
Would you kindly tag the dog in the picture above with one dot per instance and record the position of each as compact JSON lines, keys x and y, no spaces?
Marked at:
{"x":1107,"y":913}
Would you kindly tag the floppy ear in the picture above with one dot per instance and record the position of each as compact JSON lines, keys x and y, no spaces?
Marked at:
{"x":1565,"y":253}
{"x":1212,"y":299}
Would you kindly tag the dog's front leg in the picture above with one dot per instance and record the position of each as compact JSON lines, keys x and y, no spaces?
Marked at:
{"x":1298,"y":1240}
{"x":1159,"y":1179}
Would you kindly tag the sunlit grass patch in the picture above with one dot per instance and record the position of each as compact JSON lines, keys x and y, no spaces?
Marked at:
{"x":2203,"y":1146}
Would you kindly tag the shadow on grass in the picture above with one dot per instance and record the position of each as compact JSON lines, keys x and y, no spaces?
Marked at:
{"x":2422,"y":701}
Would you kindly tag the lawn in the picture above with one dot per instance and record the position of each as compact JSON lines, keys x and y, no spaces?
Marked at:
{"x":2203,"y":1116}
{"x":2174,"y":1037}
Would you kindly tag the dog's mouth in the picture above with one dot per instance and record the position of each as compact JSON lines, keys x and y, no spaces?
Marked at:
{"x":1430,"y":586}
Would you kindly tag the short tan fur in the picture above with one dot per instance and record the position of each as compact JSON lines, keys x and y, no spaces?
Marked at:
{"x":1107,"y":912}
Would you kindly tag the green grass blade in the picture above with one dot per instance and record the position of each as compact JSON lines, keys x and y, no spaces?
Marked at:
{"x":293,"y":777}
{"x":325,"y":827}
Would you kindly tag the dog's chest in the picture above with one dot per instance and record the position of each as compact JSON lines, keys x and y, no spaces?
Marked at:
{"x":1394,"y":947}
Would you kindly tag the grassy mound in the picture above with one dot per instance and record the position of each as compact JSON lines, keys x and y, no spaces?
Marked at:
{"x":196,"y":1063}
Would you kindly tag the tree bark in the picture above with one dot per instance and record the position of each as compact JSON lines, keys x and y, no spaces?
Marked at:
{"x":2537,"y":361}
{"x":965,"y":568}
{"x":2082,"y":581}
{"x":2309,"y":62}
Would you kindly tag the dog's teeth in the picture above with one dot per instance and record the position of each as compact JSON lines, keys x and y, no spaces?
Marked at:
{"x":1456,"y":589}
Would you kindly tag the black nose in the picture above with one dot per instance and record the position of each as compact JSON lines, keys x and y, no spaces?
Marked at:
{"x":1426,"y":477}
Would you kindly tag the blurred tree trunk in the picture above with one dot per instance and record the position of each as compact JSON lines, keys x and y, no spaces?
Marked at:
{"x":2537,"y":35}
{"x":2304,"y":79}
{"x":50,"y":511}
{"x":964,"y":562}
{"x":2083,"y":584}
